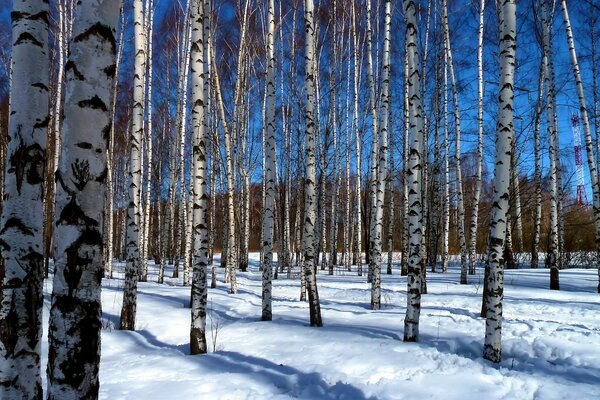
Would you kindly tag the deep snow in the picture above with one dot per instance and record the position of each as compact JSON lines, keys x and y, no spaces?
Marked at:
{"x":551,"y":341}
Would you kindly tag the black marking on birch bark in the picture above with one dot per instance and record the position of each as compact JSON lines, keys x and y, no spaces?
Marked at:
{"x":9,"y":328}
{"x":28,"y":163}
{"x":41,"y":86}
{"x":81,"y":173}
{"x":102,"y":177}
{"x":28,"y":37}
{"x":103,"y":32}
{"x":73,"y":215}
{"x":84,"y":145}
{"x":110,"y":71}
{"x":71,"y":66}
{"x":94,"y":103}
{"x":16,"y":223}
{"x":44,"y":123}
{"x":80,"y":358}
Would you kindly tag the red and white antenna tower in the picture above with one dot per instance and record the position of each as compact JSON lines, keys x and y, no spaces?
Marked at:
{"x":581,"y":196}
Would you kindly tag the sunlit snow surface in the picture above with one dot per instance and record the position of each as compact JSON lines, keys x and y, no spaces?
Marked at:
{"x":551,"y":341}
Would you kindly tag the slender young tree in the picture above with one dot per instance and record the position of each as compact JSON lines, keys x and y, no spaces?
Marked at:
{"x":494,"y":292}
{"x":76,"y":312}
{"x":589,"y":147}
{"x":133,"y":266}
{"x":377,"y":220}
{"x":21,"y":241}
{"x":552,"y":254}
{"x":457,"y":167}
{"x":310,"y":212}
{"x":537,"y":218}
{"x":270,"y":175}
{"x":414,"y":175}
{"x":479,"y":166}
{"x":200,"y":91}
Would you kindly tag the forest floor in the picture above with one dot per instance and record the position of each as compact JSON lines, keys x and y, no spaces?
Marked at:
{"x":551,"y":341}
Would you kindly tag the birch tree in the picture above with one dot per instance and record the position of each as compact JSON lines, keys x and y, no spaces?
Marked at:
{"x":414,"y":175}
{"x":494,"y":292}
{"x":552,"y":254}
{"x":310,"y":212}
{"x":200,"y":92}
{"x":21,"y":241}
{"x":587,"y":132}
{"x":377,"y":221}
{"x":133,"y":265}
{"x":270,"y":176}
{"x":76,"y":312}
{"x":479,"y":167}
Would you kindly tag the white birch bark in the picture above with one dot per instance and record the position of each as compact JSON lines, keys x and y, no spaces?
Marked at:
{"x":268,"y":215}
{"x":413,"y":172}
{"x":494,"y":292}
{"x":149,"y":139}
{"x":133,"y":266}
{"x":552,"y":252}
{"x":446,"y":167}
{"x":374,"y":144}
{"x":457,"y":168}
{"x":357,"y":147}
{"x":377,"y":221}
{"x":479,"y":167}
{"x":200,"y":91}
{"x":76,"y":311}
{"x":587,"y":132}
{"x":109,"y":206}
{"x":309,"y":239}
{"x":21,"y":240}
{"x":231,"y":263}
{"x":537,"y":218}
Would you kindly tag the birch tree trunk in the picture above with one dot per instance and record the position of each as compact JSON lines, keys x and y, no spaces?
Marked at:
{"x":504,"y":132}
{"x":309,"y":239}
{"x":457,"y":168}
{"x":446,"y":194}
{"x":200,"y":91}
{"x":377,"y":222}
{"x":268,"y":215}
{"x":479,"y":167}
{"x":588,"y":135}
{"x":414,"y":175}
{"x":537,"y":218}
{"x":357,"y":145}
{"x":21,"y":240}
{"x":552,"y":252}
{"x":75,"y":315}
{"x":133,"y":266}
{"x":149,"y":139}
{"x":374,"y":147}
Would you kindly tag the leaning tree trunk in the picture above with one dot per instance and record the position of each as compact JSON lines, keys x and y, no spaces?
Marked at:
{"x":21,"y":241}
{"x":133,"y":266}
{"x":310,"y":211}
{"x":76,"y":311}
{"x":200,"y":91}
{"x":270,"y":176}
{"x":457,"y":167}
{"x":588,"y":135}
{"x":504,"y":132}
{"x":413,"y":172}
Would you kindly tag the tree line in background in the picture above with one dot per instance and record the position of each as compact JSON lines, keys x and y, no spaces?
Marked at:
{"x":326,"y":133}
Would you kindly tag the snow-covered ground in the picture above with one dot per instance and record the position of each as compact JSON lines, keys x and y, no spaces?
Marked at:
{"x":551,"y":341}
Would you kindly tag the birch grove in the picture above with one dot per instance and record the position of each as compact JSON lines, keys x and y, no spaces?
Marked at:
{"x":285,"y":146}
